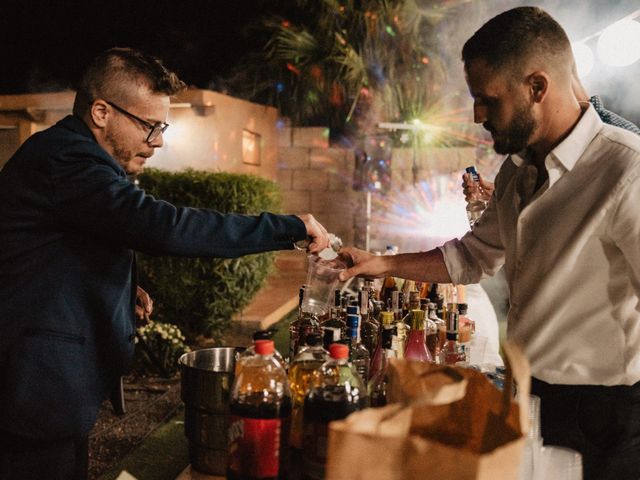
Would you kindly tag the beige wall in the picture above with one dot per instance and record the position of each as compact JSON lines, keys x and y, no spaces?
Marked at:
{"x":206,"y":131}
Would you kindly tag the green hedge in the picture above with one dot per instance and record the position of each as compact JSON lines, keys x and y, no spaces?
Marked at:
{"x":201,"y":295}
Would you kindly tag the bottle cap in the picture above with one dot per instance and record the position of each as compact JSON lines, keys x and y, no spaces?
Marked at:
{"x":264,"y":347}
{"x":338,"y":350}
{"x":353,"y":320}
{"x":263,"y":335}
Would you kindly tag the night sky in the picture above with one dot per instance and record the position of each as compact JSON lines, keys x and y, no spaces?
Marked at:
{"x":45,"y":45}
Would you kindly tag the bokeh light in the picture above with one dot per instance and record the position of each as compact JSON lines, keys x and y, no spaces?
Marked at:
{"x":619,"y":44}
{"x":584,"y":59}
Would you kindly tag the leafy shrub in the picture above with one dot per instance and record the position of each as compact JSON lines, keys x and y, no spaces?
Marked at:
{"x":201,"y":294}
{"x":158,"y":347}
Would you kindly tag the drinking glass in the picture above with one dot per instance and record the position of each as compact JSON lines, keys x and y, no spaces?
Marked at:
{"x":322,"y":279}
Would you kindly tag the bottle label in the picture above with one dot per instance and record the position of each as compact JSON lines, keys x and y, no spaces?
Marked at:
{"x":254,"y":446}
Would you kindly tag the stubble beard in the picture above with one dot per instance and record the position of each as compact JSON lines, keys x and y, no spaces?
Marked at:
{"x":517,"y":137}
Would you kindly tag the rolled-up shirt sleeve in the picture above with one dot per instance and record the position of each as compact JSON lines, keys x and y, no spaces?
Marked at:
{"x":479,"y":253}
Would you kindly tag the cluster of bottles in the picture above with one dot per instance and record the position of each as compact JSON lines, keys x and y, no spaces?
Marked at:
{"x":338,"y":363}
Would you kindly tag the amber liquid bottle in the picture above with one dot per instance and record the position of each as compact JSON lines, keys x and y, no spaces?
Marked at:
{"x":260,"y":411}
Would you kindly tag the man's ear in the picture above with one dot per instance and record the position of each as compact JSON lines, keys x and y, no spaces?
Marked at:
{"x":99,"y":113}
{"x":538,"y":85}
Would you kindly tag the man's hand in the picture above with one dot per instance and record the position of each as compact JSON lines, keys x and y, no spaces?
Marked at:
{"x":482,"y":190}
{"x":319,"y":238}
{"x":144,"y":306}
{"x":362,"y":263}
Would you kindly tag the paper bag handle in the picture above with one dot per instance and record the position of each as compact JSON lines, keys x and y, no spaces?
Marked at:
{"x":518,"y":369}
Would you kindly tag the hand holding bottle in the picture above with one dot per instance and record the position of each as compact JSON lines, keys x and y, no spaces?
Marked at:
{"x":317,"y":236}
{"x":476,"y":190}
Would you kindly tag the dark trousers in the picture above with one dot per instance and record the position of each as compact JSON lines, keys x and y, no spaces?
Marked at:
{"x":26,"y":459}
{"x":602,"y":423}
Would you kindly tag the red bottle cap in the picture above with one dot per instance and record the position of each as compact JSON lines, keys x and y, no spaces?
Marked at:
{"x":264,"y":347}
{"x":338,"y":350}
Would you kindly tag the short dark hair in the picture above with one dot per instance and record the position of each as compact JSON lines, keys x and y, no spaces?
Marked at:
{"x":111,"y":74}
{"x":511,"y":39}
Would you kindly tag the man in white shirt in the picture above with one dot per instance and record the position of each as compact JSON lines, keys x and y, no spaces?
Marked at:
{"x":564,"y":223}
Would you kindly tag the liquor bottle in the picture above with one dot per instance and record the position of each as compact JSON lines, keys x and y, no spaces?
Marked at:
{"x":386,"y":341}
{"x":416,"y":346}
{"x":338,"y":392}
{"x":251,"y":351}
{"x":402,"y":329}
{"x":466,"y":326}
{"x":260,"y":414}
{"x":301,"y":372}
{"x":377,"y":387}
{"x":475,"y":206}
{"x":436,"y":331}
{"x":413,"y":304}
{"x":368,"y":325}
{"x":294,"y":329}
{"x":334,"y":328}
{"x":358,"y":354}
{"x":453,"y":351}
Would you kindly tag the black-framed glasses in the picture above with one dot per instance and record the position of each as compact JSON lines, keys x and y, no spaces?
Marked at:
{"x":154,"y":129}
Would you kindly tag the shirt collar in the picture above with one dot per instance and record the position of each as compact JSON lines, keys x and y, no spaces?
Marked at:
{"x":571,"y":148}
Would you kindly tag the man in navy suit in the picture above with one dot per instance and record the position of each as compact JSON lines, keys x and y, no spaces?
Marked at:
{"x":70,"y":221}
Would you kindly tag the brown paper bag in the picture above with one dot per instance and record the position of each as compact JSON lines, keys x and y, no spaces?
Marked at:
{"x":447,"y":424}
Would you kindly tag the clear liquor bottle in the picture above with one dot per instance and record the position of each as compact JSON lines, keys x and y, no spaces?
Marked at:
{"x":358,"y":354}
{"x":475,"y":206}
{"x":436,"y":331}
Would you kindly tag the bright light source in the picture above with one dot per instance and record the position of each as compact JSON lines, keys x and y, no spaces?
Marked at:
{"x":584,"y":59}
{"x":619,"y":44}
{"x":417,"y":122}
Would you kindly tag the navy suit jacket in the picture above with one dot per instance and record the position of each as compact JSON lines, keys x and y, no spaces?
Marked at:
{"x":69,"y":223}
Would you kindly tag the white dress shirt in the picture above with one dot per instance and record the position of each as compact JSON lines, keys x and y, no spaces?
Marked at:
{"x":571,"y":252}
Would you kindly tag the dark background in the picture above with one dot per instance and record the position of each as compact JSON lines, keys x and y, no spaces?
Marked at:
{"x":46,"y":44}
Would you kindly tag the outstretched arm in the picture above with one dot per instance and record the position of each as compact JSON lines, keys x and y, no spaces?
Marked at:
{"x":422,"y":266}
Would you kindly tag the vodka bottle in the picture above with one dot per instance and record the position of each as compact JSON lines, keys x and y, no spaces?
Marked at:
{"x":358,"y":354}
{"x":402,"y":329}
{"x":436,"y":331}
{"x":475,"y":206}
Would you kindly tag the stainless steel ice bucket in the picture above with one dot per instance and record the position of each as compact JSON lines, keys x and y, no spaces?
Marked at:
{"x":206,"y":380}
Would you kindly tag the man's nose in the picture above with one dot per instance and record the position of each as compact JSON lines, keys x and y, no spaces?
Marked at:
{"x":157,"y":142}
{"x":479,"y":113}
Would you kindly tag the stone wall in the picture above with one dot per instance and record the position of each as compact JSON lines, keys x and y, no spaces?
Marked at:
{"x":316,"y":178}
